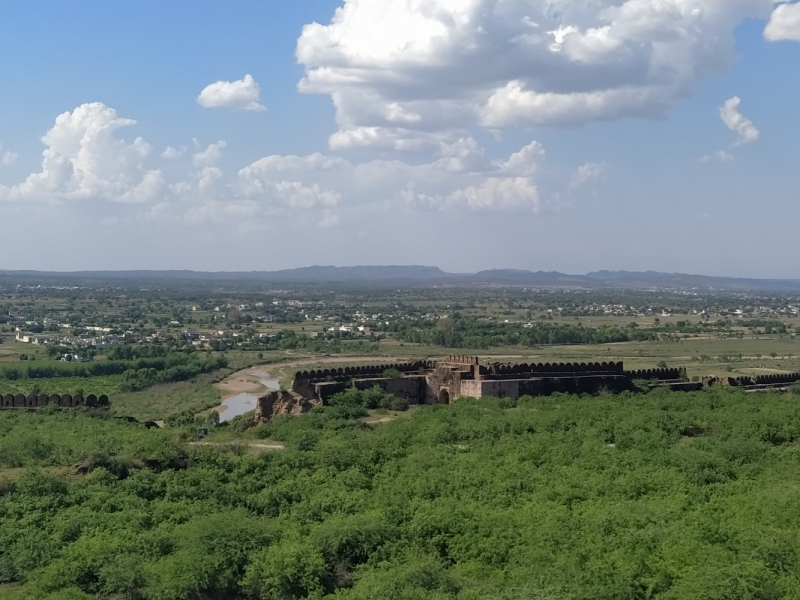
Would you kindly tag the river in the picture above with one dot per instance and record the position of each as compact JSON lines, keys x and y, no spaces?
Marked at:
{"x":245,"y":402}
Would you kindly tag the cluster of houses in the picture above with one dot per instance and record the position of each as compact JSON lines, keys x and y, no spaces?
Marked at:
{"x":81,"y":341}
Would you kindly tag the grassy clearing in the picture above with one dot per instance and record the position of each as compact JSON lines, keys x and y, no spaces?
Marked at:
{"x":162,"y":400}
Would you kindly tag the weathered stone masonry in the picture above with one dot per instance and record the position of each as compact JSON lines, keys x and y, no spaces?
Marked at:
{"x":442,"y":381}
{"x":33,"y":401}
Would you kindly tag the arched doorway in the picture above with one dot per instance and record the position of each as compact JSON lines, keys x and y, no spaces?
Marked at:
{"x":444,"y":397}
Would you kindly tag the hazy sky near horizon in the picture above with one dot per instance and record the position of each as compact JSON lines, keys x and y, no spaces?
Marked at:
{"x":466,"y":134}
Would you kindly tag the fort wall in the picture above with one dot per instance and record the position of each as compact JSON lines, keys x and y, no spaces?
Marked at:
{"x":444,"y":380}
{"x":33,"y":401}
{"x":660,"y":374}
{"x":774,"y":379}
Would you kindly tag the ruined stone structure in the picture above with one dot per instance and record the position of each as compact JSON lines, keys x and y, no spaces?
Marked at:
{"x":277,"y":403}
{"x":442,"y":381}
{"x":34,"y":402}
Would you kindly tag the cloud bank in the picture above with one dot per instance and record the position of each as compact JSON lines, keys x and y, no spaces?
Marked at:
{"x":87,"y":159}
{"x":405,"y":75}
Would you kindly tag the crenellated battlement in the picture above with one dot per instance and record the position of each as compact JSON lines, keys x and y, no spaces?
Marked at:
{"x":774,"y":379}
{"x":458,"y":359}
{"x":445,"y":379}
{"x":34,"y":401}
{"x":659,"y":374}
{"x":550,"y":368}
{"x":361,"y":371}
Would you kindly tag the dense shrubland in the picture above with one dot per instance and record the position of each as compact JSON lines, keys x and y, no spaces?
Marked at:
{"x":661,"y":495}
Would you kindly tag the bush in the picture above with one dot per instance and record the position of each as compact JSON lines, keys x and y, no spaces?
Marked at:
{"x":661,"y":495}
{"x":354,"y":399}
{"x":393,"y":403}
{"x":288,"y":571}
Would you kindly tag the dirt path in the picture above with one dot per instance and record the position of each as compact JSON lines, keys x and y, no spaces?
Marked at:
{"x":380,"y":420}
{"x":258,"y":446}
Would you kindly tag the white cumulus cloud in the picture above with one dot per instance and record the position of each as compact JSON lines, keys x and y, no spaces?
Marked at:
{"x":84,"y":160}
{"x":210,"y":155}
{"x":587,"y":172}
{"x":505,"y":194}
{"x":745,"y":131}
{"x":243,"y":94}
{"x":171,"y":153}
{"x":7,"y":158}
{"x":524,"y":161}
{"x":784,"y":23}
{"x":406,"y":75}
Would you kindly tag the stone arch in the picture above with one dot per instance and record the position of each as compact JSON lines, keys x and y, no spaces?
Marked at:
{"x":102,"y":400}
{"x":55,"y":399}
{"x":77,"y":400}
{"x":66,"y":400}
{"x":91,"y":400}
{"x":19,"y":400}
{"x":8,"y":400}
{"x":444,"y":396}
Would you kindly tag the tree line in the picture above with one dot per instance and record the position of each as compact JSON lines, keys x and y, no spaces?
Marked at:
{"x":169,"y":367}
{"x":468,"y":332}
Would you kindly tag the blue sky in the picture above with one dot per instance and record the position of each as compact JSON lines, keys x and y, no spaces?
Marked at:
{"x":571,"y":136}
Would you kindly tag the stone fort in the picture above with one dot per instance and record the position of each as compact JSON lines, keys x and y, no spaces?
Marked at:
{"x":442,"y":381}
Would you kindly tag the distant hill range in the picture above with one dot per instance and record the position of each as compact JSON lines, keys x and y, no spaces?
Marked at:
{"x":412,"y":275}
